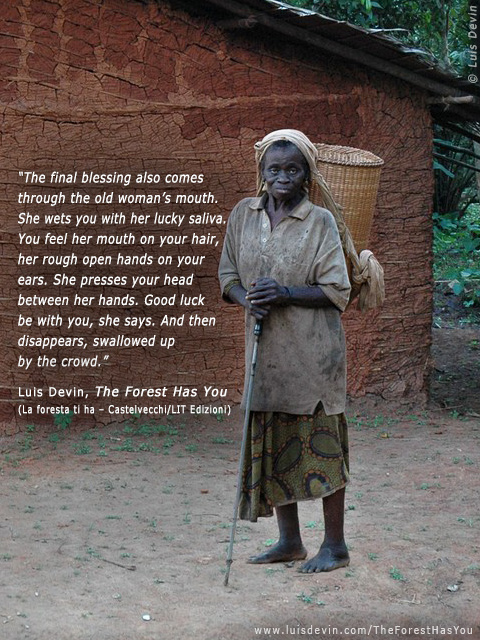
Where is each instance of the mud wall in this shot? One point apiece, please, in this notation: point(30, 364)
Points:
point(120, 85)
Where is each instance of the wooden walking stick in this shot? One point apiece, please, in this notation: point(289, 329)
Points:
point(248, 401)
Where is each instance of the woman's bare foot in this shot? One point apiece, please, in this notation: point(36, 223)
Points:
point(280, 552)
point(329, 558)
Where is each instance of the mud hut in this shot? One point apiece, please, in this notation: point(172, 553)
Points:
point(184, 88)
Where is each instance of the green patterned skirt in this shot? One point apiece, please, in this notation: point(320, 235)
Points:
point(290, 458)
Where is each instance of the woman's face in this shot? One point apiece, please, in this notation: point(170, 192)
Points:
point(284, 172)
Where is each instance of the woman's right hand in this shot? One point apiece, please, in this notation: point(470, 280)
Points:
point(259, 312)
point(239, 295)
point(264, 293)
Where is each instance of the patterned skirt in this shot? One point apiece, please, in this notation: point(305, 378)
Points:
point(290, 458)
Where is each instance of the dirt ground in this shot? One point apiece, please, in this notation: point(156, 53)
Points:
point(120, 533)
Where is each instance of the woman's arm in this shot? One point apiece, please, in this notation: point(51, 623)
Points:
point(266, 292)
point(308, 297)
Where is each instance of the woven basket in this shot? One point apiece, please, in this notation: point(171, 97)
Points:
point(353, 176)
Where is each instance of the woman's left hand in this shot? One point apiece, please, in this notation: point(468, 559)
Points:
point(266, 291)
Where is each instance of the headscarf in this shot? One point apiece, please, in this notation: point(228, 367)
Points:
point(299, 139)
point(367, 273)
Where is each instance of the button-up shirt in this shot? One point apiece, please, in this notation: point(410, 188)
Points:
point(301, 357)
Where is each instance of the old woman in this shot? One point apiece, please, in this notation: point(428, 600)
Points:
point(283, 262)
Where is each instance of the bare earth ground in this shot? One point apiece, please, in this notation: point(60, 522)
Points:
point(103, 527)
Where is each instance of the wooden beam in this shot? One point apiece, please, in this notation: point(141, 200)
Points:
point(452, 100)
point(325, 44)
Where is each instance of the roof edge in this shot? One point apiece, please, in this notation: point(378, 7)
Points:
point(446, 89)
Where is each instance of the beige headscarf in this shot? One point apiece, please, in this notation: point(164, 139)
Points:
point(367, 273)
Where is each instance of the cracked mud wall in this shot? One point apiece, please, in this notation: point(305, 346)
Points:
point(131, 86)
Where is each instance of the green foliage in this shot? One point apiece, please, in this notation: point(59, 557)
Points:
point(81, 449)
point(457, 253)
point(438, 26)
point(455, 187)
point(310, 598)
point(359, 12)
point(456, 219)
point(63, 420)
point(26, 443)
point(397, 575)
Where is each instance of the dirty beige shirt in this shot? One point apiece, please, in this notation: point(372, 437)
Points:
point(301, 356)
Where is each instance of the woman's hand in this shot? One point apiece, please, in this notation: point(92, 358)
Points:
point(257, 311)
point(238, 295)
point(265, 292)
